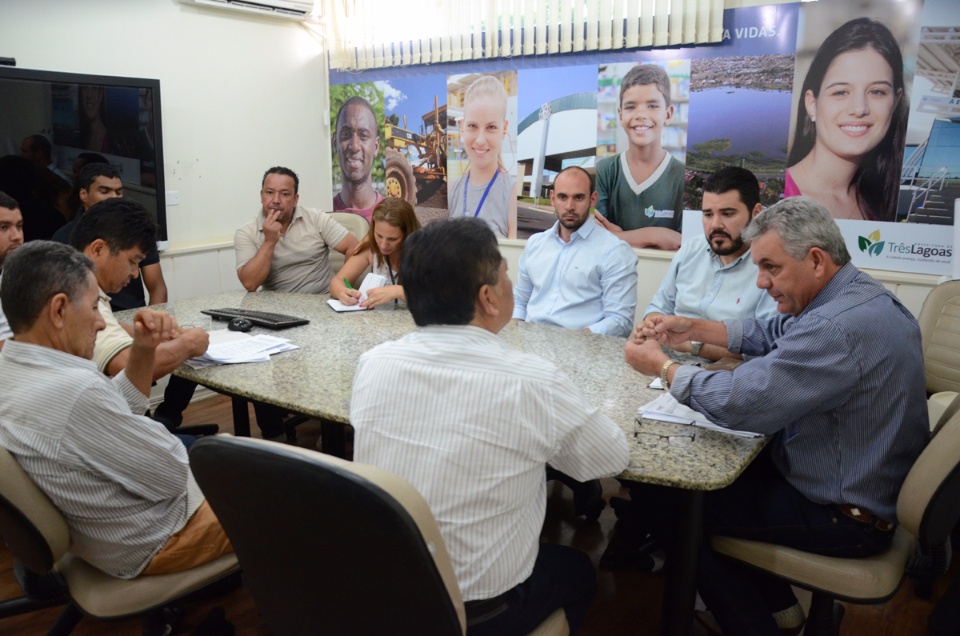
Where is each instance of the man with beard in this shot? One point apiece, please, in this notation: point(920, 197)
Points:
point(11, 237)
point(713, 278)
point(576, 274)
point(357, 142)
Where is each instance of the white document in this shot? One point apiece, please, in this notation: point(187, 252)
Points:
point(656, 384)
point(234, 347)
point(666, 409)
point(371, 281)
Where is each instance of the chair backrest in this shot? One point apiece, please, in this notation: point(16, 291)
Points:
point(940, 328)
point(329, 545)
point(32, 527)
point(928, 503)
point(356, 225)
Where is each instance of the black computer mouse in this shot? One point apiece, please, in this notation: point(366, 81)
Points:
point(240, 324)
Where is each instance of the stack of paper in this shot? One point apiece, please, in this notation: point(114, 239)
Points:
point(666, 409)
point(371, 281)
point(234, 347)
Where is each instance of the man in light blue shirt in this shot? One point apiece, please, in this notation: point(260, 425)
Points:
point(576, 274)
point(713, 277)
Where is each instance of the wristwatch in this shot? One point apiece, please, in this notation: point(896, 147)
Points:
point(695, 349)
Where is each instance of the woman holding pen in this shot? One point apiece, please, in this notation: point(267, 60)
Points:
point(393, 220)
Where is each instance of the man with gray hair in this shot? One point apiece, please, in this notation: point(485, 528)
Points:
point(839, 384)
point(121, 480)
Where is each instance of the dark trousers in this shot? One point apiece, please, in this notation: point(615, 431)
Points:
point(176, 399)
point(269, 419)
point(562, 577)
point(762, 506)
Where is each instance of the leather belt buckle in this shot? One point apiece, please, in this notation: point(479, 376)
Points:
point(863, 516)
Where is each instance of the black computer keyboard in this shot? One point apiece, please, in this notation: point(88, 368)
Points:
point(260, 318)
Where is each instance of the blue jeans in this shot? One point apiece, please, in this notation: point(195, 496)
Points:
point(762, 506)
point(562, 577)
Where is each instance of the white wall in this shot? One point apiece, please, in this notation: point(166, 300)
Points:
point(239, 94)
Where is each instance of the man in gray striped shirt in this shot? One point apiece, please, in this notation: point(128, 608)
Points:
point(839, 384)
point(122, 481)
point(471, 423)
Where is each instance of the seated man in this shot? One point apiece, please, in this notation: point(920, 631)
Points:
point(11, 238)
point(472, 425)
point(98, 182)
point(713, 277)
point(122, 481)
point(285, 249)
point(116, 234)
point(576, 274)
point(839, 383)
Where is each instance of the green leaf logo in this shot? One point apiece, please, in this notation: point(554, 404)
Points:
point(875, 249)
point(864, 243)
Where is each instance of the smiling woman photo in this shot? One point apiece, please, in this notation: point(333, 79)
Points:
point(851, 124)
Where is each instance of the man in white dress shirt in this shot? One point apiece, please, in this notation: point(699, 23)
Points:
point(11, 237)
point(472, 423)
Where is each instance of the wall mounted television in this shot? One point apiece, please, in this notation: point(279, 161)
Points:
point(117, 117)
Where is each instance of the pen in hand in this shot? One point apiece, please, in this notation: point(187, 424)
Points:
point(347, 283)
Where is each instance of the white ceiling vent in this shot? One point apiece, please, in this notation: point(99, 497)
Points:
point(286, 9)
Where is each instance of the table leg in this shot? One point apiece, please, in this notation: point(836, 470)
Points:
point(241, 416)
point(680, 592)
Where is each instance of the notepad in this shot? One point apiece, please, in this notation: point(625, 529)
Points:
point(371, 281)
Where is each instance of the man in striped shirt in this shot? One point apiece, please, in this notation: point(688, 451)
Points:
point(472, 423)
point(122, 481)
point(839, 384)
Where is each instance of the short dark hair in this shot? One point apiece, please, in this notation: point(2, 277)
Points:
point(578, 169)
point(444, 265)
point(121, 223)
point(735, 178)
point(7, 201)
point(41, 143)
point(287, 172)
point(643, 74)
point(36, 272)
point(91, 171)
point(356, 99)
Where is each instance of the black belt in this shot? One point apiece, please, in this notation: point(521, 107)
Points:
point(485, 609)
point(862, 515)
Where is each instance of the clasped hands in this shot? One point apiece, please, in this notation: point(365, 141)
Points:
point(152, 328)
point(643, 351)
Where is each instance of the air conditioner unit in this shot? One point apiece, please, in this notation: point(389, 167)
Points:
point(286, 9)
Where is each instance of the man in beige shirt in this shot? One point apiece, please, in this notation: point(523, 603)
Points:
point(285, 247)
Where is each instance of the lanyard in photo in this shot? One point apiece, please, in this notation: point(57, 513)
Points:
point(393, 281)
point(482, 199)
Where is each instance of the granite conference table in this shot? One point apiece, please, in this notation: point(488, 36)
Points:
point(316, 380)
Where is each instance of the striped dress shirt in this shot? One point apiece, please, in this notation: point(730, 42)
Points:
point(841, 384)
point(471, 424)
point(122, 481)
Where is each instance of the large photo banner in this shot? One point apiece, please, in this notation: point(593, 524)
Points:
point(848, 105)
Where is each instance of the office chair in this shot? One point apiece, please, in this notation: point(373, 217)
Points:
point(345, 546)
point(356, 225)
point(37, 536)
point(940, 329)
point(927, 510)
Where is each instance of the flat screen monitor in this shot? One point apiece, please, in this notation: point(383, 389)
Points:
point(116, 117)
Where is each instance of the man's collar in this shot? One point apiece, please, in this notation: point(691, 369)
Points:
point(832, 287)
point(583, 231)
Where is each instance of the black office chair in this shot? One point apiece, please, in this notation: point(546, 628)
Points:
point(37, 536)
point(343, 547)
